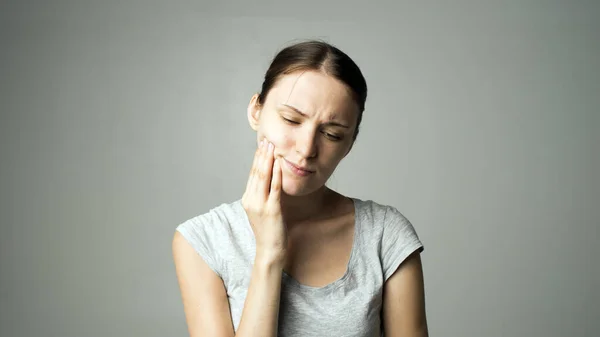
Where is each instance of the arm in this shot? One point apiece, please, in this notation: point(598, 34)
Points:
point(404, 300)
point(205, 300)
point(204, 297)
point(261, 308)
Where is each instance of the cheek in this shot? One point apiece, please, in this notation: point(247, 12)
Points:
point(280, 138)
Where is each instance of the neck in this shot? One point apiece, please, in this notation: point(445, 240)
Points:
point(299, 208)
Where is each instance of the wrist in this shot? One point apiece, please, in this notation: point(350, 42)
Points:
point(270, 258)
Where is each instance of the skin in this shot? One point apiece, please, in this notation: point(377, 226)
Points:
point(313, 140)
point(308, 118)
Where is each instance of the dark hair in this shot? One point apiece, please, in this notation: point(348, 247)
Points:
point(319, 56)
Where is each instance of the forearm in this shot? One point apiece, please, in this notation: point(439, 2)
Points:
point(261, 308)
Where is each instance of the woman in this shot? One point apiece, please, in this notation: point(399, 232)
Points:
point(293, 257)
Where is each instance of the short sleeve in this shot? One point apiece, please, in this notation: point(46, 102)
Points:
point(399, 240)
point(201, 233)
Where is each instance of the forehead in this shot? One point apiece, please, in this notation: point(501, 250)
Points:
point(314, 92)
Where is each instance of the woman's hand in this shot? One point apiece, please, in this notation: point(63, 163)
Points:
point(262, 203)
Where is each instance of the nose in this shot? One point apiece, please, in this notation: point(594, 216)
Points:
point(306, 144)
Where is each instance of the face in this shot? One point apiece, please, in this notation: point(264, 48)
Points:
point(310, 118)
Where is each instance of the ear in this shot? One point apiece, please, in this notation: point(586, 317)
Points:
point(254, 112)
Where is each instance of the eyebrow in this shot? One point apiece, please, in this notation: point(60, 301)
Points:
point(333, 123)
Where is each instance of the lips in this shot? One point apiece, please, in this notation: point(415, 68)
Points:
point(300, 167)
point(298, 170)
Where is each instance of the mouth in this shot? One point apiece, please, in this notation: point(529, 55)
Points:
point(298, 170)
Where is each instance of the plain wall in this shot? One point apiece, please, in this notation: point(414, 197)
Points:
point(121, 119)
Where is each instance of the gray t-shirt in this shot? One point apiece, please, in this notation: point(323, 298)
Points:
point(350, 306)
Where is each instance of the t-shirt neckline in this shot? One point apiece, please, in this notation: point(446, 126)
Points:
point(291, 281)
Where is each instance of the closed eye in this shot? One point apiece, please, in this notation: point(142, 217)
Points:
point(328, 135)
point(332, 136)
point(290, 121)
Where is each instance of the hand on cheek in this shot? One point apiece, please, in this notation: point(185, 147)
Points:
point(261, 201)
point(276, 153)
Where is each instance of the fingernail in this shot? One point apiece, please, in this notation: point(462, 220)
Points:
point(270, 146)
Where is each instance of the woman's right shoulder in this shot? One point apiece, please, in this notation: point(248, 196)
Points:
point(210, 233)
point(218, 217)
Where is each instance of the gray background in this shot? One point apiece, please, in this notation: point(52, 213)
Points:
point(121, 119)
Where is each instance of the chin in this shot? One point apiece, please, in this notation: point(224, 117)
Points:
point(296, 189)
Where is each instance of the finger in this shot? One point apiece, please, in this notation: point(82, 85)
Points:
point(259, 169)
point(266, 170)
point(275, 195)
point(253, 168)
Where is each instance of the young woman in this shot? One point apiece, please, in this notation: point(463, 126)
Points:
point(293, 257)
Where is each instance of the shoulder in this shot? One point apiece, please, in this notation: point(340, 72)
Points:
point(389, 226)
point(379, 214)
point(212, 232)
point(217, 218)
